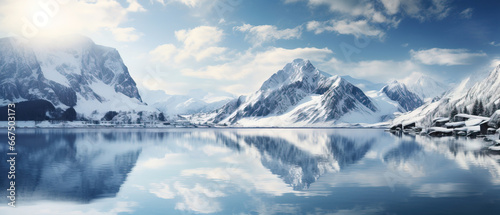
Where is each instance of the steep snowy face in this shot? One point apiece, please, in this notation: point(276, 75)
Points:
point(22, 79)
point(398, 92)
point(424, 86)
point(299, 93)
point(69, 72)
point(488, 90)
point(485, 91)
point(78, 61)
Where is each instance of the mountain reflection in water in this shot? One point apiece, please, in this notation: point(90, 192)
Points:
point(229, 170)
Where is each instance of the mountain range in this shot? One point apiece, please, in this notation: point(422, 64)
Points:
point(461, 98)
point(56, 78)
point(196, 101)
point(301, 95)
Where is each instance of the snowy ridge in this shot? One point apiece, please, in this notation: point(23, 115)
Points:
point(424, 86)
point(461, 97)
point(301, 95)
point(397, 91)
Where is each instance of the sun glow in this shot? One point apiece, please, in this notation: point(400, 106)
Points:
point(53, 18)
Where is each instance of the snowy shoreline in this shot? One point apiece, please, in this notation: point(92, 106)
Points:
point(83, 124)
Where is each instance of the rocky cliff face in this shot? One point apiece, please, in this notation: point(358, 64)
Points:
point(68, 72)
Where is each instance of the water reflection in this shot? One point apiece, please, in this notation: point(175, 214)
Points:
point(266, 171)
point(71, 166)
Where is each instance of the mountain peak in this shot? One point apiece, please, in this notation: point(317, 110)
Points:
point(424, 86)
point(300, 65)
point(398, 91)
point(298, 70)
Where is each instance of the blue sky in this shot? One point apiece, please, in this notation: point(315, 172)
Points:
point(235, 45)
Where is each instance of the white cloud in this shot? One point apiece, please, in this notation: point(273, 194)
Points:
point(391, 6)
point(191, 3)
point(448, 57)
point(375, 70)
point(125, 34)
point(467, 13)
point(251, 69)
point(134, 6)
point(163, 53)
point(493, 43)
point(199, 43)
point(419, 9)
point(354, 8)
point(373, 17)
point(356, 28)
point(20, 17)
point(266, 33)
point(369, 9)
point(162, 190)
point(200, 36)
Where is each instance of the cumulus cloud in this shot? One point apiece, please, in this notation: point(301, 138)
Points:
point(260, 34)
point(199, 43)
point(448, 57)
point(391, 6)
point(373, 17)
point(134, 6)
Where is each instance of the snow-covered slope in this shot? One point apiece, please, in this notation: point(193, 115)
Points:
point(398, 92)
point(71, 71)
point(196, 101)
point(301, 95)
point(424, 86)
point(461, 97)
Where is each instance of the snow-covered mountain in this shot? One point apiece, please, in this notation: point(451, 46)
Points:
point(424, 86)
point(301, 95)
point(461, 97)
point(68, 72)
point(398, 92)
point(196, 101)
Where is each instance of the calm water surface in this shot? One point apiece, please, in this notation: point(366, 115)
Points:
point(249, 171)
